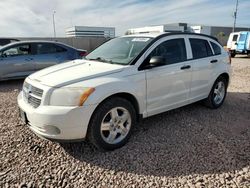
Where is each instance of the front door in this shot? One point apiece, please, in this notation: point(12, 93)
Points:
point(16, 61)
point(168, 85)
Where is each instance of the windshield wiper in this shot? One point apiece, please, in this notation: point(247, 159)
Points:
point(99, 59)
point(102, 60)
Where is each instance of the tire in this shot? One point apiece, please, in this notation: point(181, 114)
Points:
point(111, 124)
point(232, 54)
point(217, 94)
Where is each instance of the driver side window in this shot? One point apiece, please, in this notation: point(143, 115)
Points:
point(173, 51)
point(24, 49)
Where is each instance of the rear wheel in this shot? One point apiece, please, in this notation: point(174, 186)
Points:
point(111, 124)
point(232, 53)
point(217, 94)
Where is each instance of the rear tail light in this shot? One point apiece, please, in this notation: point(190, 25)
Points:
point(83, 54)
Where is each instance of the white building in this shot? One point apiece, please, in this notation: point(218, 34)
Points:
point(177, 27)
point(86, 31)
point(201, 29)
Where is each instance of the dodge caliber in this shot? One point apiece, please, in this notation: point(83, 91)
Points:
point(102, 97)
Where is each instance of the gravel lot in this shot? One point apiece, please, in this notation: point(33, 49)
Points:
point(188, 147)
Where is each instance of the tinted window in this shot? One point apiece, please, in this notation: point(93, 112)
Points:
point(173, 51)
point(24, 49)
point(60, 49)
point(216, 48)
point(47, 48)
point(200, 48)
point(235, 38)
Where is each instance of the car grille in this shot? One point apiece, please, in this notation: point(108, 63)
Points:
point(32, 95)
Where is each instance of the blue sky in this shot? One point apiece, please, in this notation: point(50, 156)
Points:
point(25, 18)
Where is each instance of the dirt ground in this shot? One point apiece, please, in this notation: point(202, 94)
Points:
point(192, 146)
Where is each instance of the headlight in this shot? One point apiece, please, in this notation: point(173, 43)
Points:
point(70, 96)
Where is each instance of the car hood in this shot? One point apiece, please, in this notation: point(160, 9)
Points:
point(74, 71)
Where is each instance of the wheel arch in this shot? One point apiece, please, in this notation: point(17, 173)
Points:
point(224, 75)
point(129, 97)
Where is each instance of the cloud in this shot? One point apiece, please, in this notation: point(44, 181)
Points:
point(34, 18)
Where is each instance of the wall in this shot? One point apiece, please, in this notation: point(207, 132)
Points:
point(86, 43)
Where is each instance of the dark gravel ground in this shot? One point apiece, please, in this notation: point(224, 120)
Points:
point(191, 146)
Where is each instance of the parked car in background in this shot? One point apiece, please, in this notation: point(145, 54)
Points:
point(239, 43)
point(5, 41)
point(18, 60)
point(127, 78)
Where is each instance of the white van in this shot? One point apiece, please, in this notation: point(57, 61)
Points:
point(239, 43)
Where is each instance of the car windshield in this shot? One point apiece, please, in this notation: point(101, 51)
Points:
point(119, 50)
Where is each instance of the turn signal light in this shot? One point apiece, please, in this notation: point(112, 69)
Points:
point(85, 95)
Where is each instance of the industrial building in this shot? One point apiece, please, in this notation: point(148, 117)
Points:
point(86, 31)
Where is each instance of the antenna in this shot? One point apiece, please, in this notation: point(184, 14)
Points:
point(235, 14)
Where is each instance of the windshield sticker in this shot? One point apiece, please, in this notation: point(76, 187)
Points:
point(140, 39)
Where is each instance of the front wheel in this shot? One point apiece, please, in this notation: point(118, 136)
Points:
point(217, 94)
point(111, 124)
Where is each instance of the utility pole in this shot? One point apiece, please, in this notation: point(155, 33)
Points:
point(54, 24)
point(235, 14)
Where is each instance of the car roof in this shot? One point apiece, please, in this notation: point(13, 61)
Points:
point(160, 35)
point(36, 41)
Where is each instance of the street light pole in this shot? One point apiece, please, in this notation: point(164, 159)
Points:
point(54, 24)
point(235, 14)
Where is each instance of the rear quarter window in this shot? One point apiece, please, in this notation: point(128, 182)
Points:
point(200, 48)
point(60, 49)
point(216, 48)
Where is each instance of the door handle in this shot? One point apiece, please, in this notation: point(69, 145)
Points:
point(214, 61)
point(186, 67)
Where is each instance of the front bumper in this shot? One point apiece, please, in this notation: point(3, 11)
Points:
point(59, 123)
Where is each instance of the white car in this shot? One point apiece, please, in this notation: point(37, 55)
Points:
point(102, 97)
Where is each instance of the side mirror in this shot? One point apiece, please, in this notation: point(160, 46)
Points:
point(156, 61)
point(236, 43)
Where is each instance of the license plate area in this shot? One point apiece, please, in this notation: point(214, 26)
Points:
point(23, 116)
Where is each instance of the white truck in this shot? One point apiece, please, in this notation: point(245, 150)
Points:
point(239, 43)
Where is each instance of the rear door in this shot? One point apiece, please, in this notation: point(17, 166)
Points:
point(48, 54)
point(203, 65)
point(16, 61)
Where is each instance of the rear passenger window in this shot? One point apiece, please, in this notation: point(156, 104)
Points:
point(200, 48)
point(47, 48)
point(173, 50)
point(216, 48)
